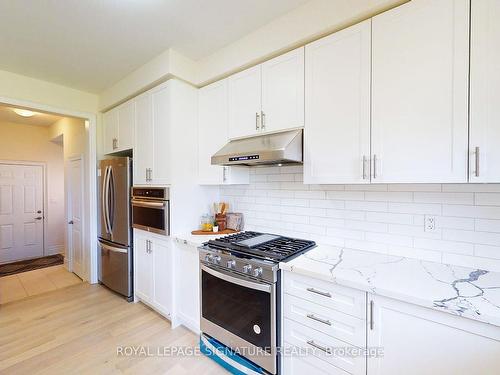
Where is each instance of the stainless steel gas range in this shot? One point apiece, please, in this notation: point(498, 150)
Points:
point(240, 301)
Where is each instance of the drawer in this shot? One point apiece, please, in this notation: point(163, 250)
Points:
point(336, 297)
point(294, 364)
point(331, 322)
point(329, 349)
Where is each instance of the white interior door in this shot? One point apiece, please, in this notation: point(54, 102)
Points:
point(75, 211)
point(21, 212)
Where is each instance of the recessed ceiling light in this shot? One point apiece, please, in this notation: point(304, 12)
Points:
point(24, 112)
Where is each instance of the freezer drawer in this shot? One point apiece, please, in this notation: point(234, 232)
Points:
point(115, 269)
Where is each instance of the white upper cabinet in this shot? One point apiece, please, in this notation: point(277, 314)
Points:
point(143, 152)
point(420, 92)
point(152, 151)
point(283, 92)
point(337, 131)
point(110, 130)
point(126, 125)
point(244, 102)
point(485, 92)
point(267, 97)
point(213, 135)
point(119, 124)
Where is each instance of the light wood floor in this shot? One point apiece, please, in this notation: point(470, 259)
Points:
point(76, 330)
point(22, 285)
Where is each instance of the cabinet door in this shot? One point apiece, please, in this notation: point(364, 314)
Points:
point(110, 131)
point(126, 125)
point(283, 91)
point(163, 278)
point(143, 151)
point(484, 92)
point(212, 136)
point(417, 340)
point(187, 275)
point(245, 102)
point(143, 268)
point(337, 131)
point(160, 142)
point(419, 92)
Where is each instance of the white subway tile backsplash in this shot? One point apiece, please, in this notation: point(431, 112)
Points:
point(484, 225)
point(448, 198)
point(384, 218)
point(488, 199)
point(415, 208)
point(390, 196)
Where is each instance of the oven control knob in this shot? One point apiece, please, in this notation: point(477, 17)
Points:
point(247, 268)
point(216, 259)
point(231, 264)
point(208, 257)
point(257, 272)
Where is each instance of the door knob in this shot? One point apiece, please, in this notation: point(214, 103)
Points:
point(70, 222)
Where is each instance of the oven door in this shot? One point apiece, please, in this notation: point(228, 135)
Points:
point(240, 313)
point(151, 215)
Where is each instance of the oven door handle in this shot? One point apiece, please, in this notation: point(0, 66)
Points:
point(235, 280)
point(141, 203)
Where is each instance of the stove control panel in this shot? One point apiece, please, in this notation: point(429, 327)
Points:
point(254, 268)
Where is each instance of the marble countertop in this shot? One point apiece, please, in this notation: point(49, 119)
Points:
point(466, 292)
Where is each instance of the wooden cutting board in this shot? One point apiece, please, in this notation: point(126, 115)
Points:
point(203, 233)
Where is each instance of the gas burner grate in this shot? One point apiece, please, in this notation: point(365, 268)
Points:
point(277, 250)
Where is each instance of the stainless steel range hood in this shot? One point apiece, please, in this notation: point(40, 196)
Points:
point(276, 148)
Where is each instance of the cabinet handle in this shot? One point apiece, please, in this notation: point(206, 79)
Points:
point(371, 314)
point(364, 167)
point(477, 162)
point(317, 346)
point(224, 171)
point(257, 117)
point(115, 142)
point(324, 294)
point(374, 166)
point(262, 120)
point(324, 321)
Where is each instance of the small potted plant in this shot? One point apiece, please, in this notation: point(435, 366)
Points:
point(215, 227)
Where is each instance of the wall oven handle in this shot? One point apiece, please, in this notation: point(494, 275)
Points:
point(236, 280)
point(148, 204)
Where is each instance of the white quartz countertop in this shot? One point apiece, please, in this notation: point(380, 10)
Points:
point(196, 240)
point(467, 292)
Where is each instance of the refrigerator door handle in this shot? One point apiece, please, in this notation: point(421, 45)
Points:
point(104, 199)
point(112, 248)
point(111, 202)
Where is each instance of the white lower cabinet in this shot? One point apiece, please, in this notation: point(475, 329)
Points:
point(418, 340)
point(322, 336)
point(324, 327)
point(187, 277)
point(153, 270)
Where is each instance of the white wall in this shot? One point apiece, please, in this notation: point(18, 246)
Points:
point(308, 22)
point(381, 218)
point(19, 142)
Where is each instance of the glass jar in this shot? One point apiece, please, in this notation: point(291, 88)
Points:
point(207, 223)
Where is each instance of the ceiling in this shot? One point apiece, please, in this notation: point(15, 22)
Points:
point(40, 119)
point(91, 44)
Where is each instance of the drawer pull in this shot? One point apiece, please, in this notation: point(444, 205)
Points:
point(324, 321)
point(322, 348)
point(324, 294)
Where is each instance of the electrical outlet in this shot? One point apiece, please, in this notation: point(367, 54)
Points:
point(430, 223)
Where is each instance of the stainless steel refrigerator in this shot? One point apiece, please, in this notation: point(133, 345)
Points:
point(115, 233)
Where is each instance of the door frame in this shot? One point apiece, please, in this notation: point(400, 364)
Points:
point(90, 193)
point(69, 213)
point(44, 194)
